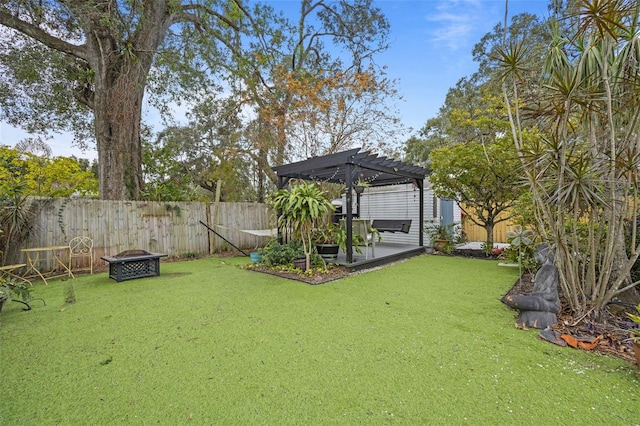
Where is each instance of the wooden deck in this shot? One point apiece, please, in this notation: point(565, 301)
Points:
point(385, 253)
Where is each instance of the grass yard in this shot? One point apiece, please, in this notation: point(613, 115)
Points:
point(425, 341)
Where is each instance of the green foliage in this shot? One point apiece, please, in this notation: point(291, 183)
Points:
point(311, 80)
point(438, 231)
point(189, 162)
point(331, 233)
point(522, 248)
point(519, 237)
point(301, 209)
point(16, 221)
point(12, 289)
point(486, 178)
point(440, 235)
point(276, 254)
point(635, 319)
point(581, 198)
point(44, 177)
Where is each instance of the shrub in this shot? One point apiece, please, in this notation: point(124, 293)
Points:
point(274, 253)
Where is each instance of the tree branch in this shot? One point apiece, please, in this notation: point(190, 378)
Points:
point(42, 36)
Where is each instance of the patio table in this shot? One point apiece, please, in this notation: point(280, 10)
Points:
point(36, 255)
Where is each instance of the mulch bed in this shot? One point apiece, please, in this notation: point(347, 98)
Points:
point(476, 254)
point(331, 274)
point(609, 329)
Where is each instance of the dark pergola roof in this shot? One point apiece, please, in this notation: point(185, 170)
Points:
point(361, 165)
point(349, 167)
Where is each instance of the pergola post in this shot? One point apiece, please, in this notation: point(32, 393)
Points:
point(349, 217)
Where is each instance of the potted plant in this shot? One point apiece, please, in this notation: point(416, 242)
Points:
point(440, 237)
point(635, 334)
point(360, 185)
point(14, 290)
point(328, 239)
point(300, 209)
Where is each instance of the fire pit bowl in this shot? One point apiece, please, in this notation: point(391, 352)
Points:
point(132, 264)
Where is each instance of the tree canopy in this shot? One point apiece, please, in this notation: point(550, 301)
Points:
point(29, 174)
point(484, 179)
point(99, 61)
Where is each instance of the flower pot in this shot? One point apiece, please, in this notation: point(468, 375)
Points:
point(300, 264)
point(359, 189)
point(255, 257)
point(440, 245)
point(328, 251)
point(636, 350)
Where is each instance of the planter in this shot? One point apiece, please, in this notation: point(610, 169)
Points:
point(636, 350)
point(300, 264)
point(359, 189)
point(255, 257)
point(440, 245)
point(328, 251)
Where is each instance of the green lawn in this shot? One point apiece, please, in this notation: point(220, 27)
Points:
point(425, 341)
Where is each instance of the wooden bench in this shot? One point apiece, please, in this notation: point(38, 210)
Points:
point(390, 225)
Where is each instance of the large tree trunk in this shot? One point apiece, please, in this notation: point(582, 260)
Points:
point(121, 66)
point(118, 112)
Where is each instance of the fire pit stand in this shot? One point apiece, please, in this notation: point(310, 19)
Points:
point(132, 264)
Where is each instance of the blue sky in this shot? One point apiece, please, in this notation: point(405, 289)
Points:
point(431, 49)
point(432, 44)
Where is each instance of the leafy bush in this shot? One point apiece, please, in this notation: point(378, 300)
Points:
point(274, 253)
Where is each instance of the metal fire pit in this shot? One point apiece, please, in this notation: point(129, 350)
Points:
point(132, 264)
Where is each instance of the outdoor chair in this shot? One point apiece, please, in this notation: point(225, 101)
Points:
point(362, 227)
point(81, 247)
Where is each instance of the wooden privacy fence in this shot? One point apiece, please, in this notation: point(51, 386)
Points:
point(172, 228)
point(478, 233)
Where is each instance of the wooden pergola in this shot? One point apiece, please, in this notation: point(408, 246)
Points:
point(352, 166)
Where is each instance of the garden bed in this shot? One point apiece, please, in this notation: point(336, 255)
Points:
point(610, 329)
point(318, 277)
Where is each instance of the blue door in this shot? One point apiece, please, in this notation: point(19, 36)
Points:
point(446, 212)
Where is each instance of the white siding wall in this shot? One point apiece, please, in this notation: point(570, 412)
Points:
point(397, 202)
point(401, 202)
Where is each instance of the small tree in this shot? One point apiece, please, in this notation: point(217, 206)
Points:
point(482, 179)
point(582, 166)
point(300, 209)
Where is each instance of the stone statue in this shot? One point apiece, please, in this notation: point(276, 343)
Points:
point(539, 308)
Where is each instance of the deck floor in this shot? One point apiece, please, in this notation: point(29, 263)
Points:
point(385, 253)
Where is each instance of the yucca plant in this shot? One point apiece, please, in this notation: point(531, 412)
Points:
point(300, 209)
point(579, 149)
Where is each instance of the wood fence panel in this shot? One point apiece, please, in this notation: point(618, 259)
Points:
point(478, 233)
point(232, 218)
point(116, 226)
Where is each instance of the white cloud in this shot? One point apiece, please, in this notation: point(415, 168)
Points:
point(456, 24)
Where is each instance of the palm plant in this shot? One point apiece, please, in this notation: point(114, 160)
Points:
point(300, 209)
point(580, 155)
